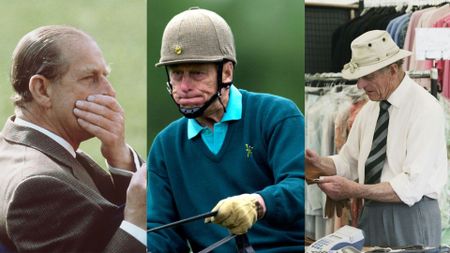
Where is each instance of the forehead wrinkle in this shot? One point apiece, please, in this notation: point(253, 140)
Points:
point(92, 68)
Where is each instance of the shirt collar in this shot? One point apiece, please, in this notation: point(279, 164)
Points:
point(234, 112)
point(400, 93)
point(58, 139)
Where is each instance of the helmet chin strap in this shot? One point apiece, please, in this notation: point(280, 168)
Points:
point(194, 112)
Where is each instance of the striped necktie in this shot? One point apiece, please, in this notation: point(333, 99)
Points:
point(377, 155)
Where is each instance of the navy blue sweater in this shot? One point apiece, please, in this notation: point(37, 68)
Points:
point(262, 153)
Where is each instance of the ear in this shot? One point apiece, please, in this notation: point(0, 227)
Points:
point(394, 69)
point(39, 88)
point(227, 72)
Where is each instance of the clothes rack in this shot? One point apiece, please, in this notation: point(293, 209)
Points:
point(336, 78)
point(335, 5)
point(432, 74)
point(332, 79)
point(382, 3)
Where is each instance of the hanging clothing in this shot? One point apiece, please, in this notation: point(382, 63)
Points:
point(443, 66)
point(319, 136)
point(396, 26)
point(327, 109)
point(400, 34)
point(373, 19)
point(411, 35)
point(428, 18)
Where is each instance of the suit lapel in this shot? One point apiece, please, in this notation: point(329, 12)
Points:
point(39, 141)
point(101, 178)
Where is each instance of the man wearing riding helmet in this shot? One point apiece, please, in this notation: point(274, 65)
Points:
point(238, 152)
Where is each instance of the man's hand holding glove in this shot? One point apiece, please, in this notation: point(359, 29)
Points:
point(238, 213)
point(313, 173)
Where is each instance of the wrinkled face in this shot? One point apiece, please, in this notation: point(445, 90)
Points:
point(86, 75)
point(193, 84)
point(377, 85)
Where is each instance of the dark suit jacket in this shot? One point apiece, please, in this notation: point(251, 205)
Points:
point(46, 205)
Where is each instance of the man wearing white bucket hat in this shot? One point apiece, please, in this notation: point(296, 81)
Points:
point(236, 152)
point(395, 150)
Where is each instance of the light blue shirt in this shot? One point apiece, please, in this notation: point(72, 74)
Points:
point(213, 138)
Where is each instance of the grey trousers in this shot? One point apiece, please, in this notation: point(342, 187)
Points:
point(398, 225)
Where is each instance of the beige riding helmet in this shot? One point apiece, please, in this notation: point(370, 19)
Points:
point(197, 35)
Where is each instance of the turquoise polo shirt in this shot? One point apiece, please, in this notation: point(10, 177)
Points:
point(214, 139)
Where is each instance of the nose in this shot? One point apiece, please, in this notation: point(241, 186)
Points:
point(185, 83)
point(361, 84)
point(107, 88)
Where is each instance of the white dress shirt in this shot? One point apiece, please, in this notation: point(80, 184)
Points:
point(128, 227)
point(416, 152)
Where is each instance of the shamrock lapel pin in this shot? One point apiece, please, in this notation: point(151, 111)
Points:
point(249, 150)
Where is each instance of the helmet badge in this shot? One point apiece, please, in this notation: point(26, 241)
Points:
point(178, 49)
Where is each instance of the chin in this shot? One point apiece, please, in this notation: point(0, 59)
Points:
point(374, 98)
point(84, 136)
point(190, 106)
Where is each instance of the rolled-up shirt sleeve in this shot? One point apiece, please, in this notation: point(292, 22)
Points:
point(425, 167)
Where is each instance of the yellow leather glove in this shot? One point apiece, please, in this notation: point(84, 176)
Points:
point(237, 213)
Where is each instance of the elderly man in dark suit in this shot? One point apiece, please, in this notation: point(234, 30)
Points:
point(53, 197)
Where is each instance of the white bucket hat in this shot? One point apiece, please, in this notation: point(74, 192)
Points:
point(372, 51)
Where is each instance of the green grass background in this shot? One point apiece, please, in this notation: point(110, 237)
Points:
point(119, 28)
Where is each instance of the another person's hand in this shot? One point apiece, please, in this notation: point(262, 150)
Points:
point(237, 213)
point(103, 117)
point(136, 204)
